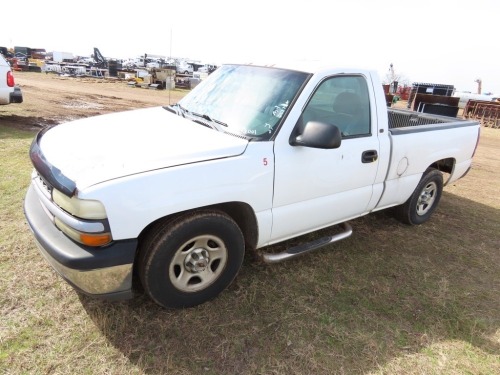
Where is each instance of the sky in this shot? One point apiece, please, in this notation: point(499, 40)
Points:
point(451, 42)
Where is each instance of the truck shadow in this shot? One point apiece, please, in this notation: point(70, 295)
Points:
point(388, 292)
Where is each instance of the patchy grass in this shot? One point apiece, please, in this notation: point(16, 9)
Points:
point(390, 299)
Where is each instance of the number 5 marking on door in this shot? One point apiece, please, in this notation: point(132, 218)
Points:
point(264, 161)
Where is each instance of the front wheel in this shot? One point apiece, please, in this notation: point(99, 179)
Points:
point(191, 259)
point(424, 200)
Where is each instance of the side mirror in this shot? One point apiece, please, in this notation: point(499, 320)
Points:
point(317, 134)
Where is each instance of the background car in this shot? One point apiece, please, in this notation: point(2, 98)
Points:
point(9, 92)
point(184, 68)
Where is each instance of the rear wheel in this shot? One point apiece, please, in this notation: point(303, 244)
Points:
point(191, 259)
point(424, 200)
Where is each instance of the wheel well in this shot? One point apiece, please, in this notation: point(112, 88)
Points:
point(240, 212)
point(244, 216)
point(444, 166)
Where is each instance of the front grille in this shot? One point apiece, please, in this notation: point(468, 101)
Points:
point(43, 185)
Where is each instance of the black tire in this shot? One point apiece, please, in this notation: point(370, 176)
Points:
point(424, 200)
point(191, 259)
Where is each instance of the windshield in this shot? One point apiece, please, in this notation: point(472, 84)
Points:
point(247, 100)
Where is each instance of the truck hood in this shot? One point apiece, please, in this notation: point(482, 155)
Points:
point(101, 148)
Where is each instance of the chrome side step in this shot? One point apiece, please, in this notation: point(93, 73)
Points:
point(307, 247)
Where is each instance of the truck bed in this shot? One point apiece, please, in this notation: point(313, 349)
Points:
point(406, 121)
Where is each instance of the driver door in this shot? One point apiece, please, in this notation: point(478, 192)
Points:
point(315, 188)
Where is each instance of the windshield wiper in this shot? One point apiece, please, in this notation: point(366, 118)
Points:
point(177, 109)
point(180, 110)
point(170, 109)
point(183, 110)
point(208, 118)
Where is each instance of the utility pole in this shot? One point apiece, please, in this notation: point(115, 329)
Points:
point(394, 82)
point(479, 84)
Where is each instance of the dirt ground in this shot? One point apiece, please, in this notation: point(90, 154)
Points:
point(50, 99)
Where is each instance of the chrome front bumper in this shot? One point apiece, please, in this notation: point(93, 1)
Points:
point(99, 272)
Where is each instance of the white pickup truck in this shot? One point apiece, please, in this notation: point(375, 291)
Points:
point(168, 199)
point(9, 91)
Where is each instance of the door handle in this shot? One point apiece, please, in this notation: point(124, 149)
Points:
point(369, 156)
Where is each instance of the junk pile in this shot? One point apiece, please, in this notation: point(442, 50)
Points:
point(486, 112)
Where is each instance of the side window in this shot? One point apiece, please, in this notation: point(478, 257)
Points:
point(342, 101)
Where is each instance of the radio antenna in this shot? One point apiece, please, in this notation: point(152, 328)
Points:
point(169, 75)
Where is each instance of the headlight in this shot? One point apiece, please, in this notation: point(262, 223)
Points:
point(85, 209)
point(89, 239)
point(82, 209)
